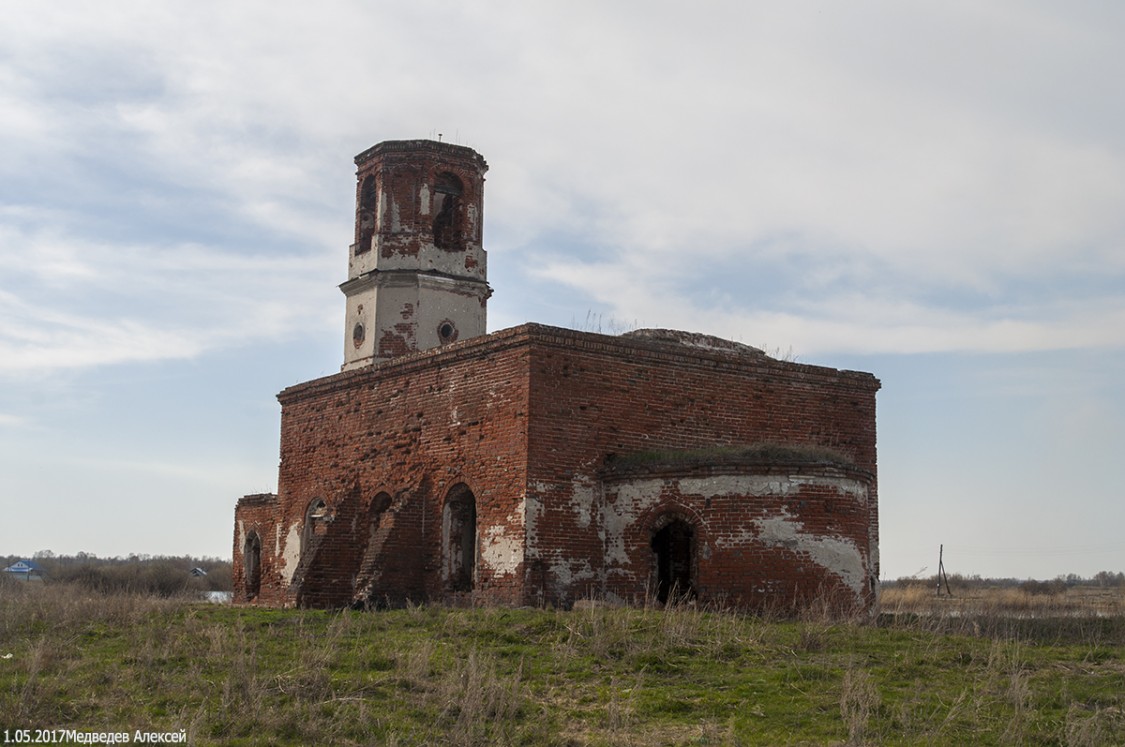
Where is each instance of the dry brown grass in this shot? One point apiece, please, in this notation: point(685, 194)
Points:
point(594, 676)
point(859, 697)
point(27, 604)
point(919, 599)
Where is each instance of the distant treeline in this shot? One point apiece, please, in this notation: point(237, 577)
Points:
point(161, 575)
point(1101, 579)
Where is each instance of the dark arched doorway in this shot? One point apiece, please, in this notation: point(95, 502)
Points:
point(252, 565)
point(672, 551)
point(459, 539)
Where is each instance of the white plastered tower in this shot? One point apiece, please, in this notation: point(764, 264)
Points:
point(417, 272)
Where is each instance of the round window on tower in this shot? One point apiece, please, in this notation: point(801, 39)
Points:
point(447, 332)
point(358, 334)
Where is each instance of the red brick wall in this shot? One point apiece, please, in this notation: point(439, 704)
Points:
point(257, 514)
point(408, 430)
point(400, 168)
point(767, 537)
point(595, 395)
point(533, 412)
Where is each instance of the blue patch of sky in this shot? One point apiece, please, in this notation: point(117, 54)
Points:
point(91, 72)
point(520, 293)
point(578, 243)
point(1027, 419)
point(761, 279)
point(521, 297)
point(972, 445)
point(769, 282)
point(160, 409)
point(177, 297)
point(108, 201)
point(958, 409)
point(934, 378)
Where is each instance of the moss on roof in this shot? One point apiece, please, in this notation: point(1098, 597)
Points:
point(765, 453)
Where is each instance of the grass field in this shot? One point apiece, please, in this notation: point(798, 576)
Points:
point(597, 676)
point(983, 601)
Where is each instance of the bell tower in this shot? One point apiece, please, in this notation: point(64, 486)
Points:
point(416, 273)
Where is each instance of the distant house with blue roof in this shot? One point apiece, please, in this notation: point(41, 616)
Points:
point(25, 570)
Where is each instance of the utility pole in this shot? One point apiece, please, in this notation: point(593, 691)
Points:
point(941, 575)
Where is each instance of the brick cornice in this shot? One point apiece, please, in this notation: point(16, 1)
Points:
point(532, 335)
point(415, 147)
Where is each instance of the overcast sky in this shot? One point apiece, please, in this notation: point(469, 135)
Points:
point(932, 191)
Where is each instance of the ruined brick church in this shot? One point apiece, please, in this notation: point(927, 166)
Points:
point(539, 465)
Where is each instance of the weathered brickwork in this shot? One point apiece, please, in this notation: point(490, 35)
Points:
point(255, 550)
point(383, 448)
point(417, 270)
point(594, 399)
point(772, 537)
point(539, 465)
point(536, 423)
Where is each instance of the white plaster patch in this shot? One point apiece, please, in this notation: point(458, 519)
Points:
point(726, 485)
point(632, 500)
point(584, 496)
point(291, 554)
point(533, 510)
point(838, 556)
point(501, 549)
point(841, 557)
point(567, 572)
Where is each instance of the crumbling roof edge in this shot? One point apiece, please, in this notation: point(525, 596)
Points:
point(257, 499)
point(540, 334)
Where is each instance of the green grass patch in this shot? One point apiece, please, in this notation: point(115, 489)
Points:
point(431, 675)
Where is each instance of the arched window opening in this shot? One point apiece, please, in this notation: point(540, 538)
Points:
point(252, 565)
point(316, 523)
point(447, 212)
point(368, 207)
point(459, 539)
point(379, 504)
point(672, 551)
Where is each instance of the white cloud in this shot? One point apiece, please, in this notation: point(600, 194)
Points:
point(865, 176)
point(11, 421)
point(917, 150)
point(841, 321)
point(150, 302)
